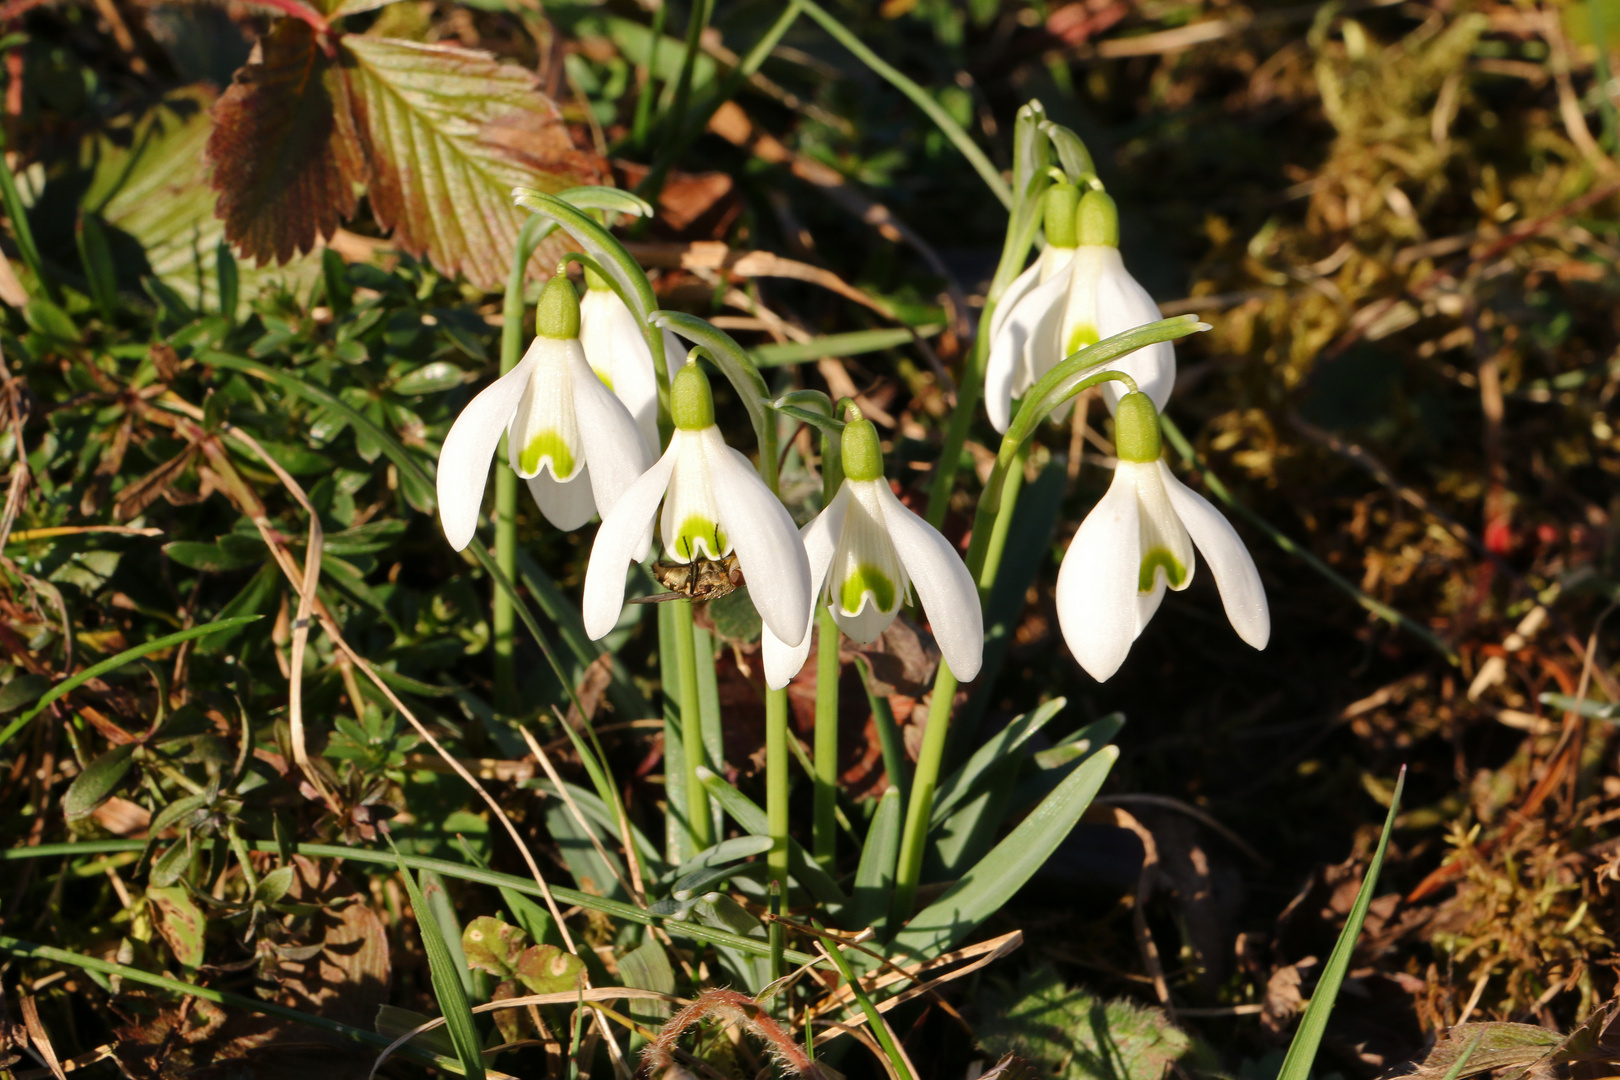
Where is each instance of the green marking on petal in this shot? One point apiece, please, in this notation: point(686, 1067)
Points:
point(547, 444)
point(697, 528)
point(1084, 334)
point(866, 578)
point(1153, 561)
point(606, 380)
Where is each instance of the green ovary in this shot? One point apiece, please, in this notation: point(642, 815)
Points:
point(864, 579)
point(1084, 334)
point(1174, 572)
point(697, 528)
point(548, 444)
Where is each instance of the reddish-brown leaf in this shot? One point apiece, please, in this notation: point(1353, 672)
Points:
point(284, 153)
point(449, 133)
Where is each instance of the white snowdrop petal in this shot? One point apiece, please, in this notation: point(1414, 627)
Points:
point(690, 525)
point(943, 585)
point(1021, 284)
point(1229, 560)
point(865, 565)
point(609, 440)
point(1096, 587)
point(463, 467)
point(769, 550)
point(623, 533)
point(1007, 372)
point(566, 504)
point(867, 623)
point(1167, 550)
point(1122, 304)
point(618, 353)
point(820, 537)
point(544, 432)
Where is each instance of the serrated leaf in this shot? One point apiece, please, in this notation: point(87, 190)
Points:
point(92, 787)
point(492, 945)
point(1078, 1036)
point(150, 184)
point(285, 156)
point(450, 133)
point(546, 969)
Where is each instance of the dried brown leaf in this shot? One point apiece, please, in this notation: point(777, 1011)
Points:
point(284, 152)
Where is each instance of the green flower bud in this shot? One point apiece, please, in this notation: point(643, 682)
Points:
point(1136, 428)
point(1062, 203)
point(863, 454)
point(1099, 220)
point(557, 314)
point(691, 403)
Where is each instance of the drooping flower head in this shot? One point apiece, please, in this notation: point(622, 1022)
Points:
point(1138, 540)
point(1077, 293)
point(618, 353)
point(567, 435)
point(714, 503)
point(866, 551)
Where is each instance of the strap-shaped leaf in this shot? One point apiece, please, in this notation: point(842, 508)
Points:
point(284, 151)
point(446, 980)
point(874, 876)
point(983, 890)
point(451, 132)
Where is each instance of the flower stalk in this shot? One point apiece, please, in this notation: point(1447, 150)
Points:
point(699, 824)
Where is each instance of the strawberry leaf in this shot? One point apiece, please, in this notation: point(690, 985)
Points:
point(450, 133)
point(285, 157)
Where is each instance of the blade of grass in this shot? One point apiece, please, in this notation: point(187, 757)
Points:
point(68, 685)
point(447, 985)
point(493, 878)
point(919, 97)
point(751, 819)
point(874, 1019)
point(1308, 1039)
point(29, 950)
point(20, 229)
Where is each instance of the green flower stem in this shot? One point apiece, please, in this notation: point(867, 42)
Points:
point(970, 387)
point(776, 814)
point(644, 98)
point(502, 620)
point(919, 97)
point(825, 835)
point(697, 796)
point(991, 522)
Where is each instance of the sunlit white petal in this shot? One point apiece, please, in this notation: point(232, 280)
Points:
point(690, 525)
point(1122, 304)
point(464, 460)
point(1007, 372)
point(608, 435)
point(866, 584)
point(769, 551)
point(566, 505)
point(1097, 583)
point(1021, 284)
point(943, 585)
point(622, 534)
point(820, 537)
point(1229, 561)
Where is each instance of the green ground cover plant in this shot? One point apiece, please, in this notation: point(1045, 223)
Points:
point(915, 648)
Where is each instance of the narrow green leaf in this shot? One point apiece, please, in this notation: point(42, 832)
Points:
point(983, 890)
point(99, 272)
point(444, 916)
point(853, 343)
point(68, 685)
point(21, 690)
point(1308, 1039)
point(447, 987)
point(648, 968)
point(965, 783)
point(733, 361)
point(229, 280)
point(96, 784)
point(209, 557)
point(874, 876)
point(30, 950)
point(524, 886)
point(752, 820)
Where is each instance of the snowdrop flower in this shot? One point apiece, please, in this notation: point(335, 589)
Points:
point(1077, 293)
point(865, 551)
point(567, 435)
point(714, 504)
point(1140, 538)
point(618, 353)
